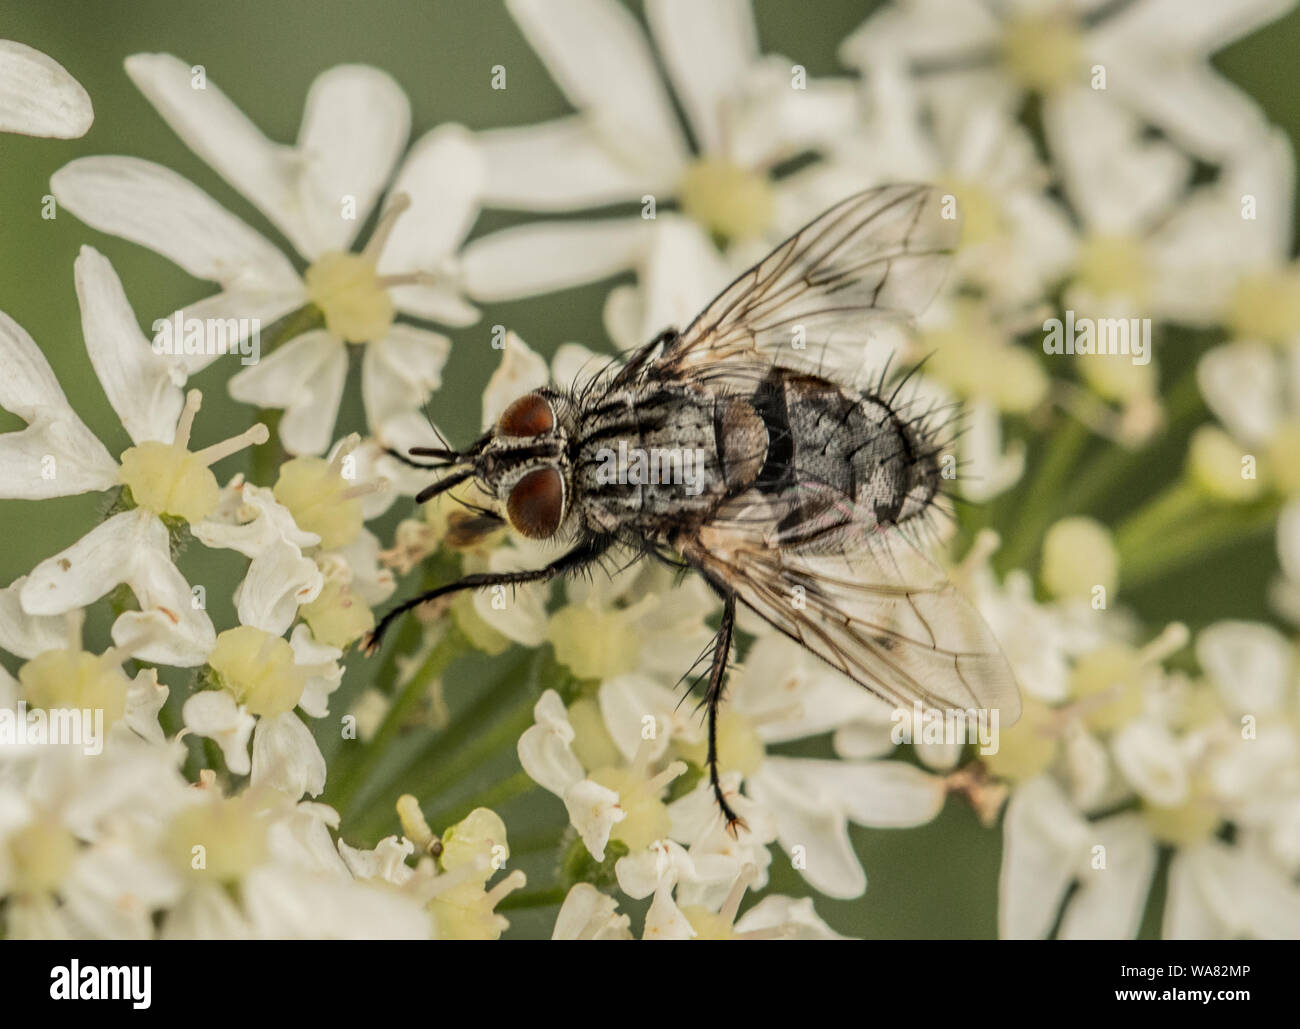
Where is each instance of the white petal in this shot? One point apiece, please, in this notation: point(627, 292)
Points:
point(1150, 758)
point(442, 176)
point(1111, 899)
point(400, 371)
point(25, 635)
point(598, 55)
point(137, 382)
point(56, 455)
point(665, 921)
point(249, 520)
point(1251, 665)
point(157, 208)
point(214, 714)
point(144, 699)
point(327, 675)
point(588, 914)
point(789, 913)
point(177, 631)
point(1118, 180)
point(279, 579)
point(1043, 841)
point(520, 371)
point(95, 564)
point(707, 48)
point(594, 811)
point(1241, 385)
point(544, 749)
point(354, 128)
point(815, 825)
point(286, 757)
point(660, 865)
point(305, 377)
point(562, 165)
point(38, 97)
point(544, 257)
point(229, 324)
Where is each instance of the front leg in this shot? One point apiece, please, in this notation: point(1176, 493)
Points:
point(717, 677)
point(584, 553)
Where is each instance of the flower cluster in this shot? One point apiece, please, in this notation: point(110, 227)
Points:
point(1113, 188)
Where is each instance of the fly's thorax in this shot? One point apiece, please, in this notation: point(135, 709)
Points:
point(651, 457)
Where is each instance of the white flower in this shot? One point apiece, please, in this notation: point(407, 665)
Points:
point(38, 97)
point(746, 113)
point(1151, 56)
point(318, 193)
point(56, 455)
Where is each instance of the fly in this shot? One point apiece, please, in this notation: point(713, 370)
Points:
point(805, 481)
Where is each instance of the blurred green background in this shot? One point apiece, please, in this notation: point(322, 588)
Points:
point(937, 881)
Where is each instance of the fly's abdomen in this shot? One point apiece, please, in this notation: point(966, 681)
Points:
point(835, 451)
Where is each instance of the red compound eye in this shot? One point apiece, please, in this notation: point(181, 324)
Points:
point(530, 415)
point(536, 504)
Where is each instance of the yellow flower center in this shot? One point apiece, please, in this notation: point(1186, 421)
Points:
point(219, 838)
point(1189, 823)
point(1111, 265)
point(594, 644)
point(1028, 747)
point(1214, 463)
point(75, 679)
point(733, 203)
point(169, 480)
point(973, 358)
point(259, 670)
point(740, 748)
point(40, 855)
point(338, 616)
point(1266, 306)
point(708, 925)
point(981, 215)
point(592, 743)
point(1043, 51)
point(647, 816)
point(1078, 555)
point(472, 844)
point(320, 499)
point(347, 288)
point(1109, 683)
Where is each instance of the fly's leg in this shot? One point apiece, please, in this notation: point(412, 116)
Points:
point(713, 699)
point(583, 554)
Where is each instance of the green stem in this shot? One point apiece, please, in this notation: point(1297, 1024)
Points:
point(1113, 467)
point(450, 646)
point(1177, 505)
point(551, 897)
point(1035, 515)
point(1195, 541)
point(493, 796)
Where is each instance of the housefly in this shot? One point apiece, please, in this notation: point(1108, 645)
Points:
point(807, 481)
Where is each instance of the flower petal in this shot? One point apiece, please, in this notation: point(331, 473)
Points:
point(442, 176)
point(305, 377)
point(138, 383)
point(354, 128)
point(38, 97)
point(278, 580)
point(214, 714)
point(545, 257)
point(286, 757)
point(401, 371)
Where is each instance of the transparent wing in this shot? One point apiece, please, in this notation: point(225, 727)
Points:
point(859, 273)
point(879, 611)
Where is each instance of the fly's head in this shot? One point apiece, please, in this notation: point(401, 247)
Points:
point(521, 462)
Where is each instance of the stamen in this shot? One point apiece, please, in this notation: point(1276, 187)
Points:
point(253, 436)
point(1172, 640)
point(731, 906)
point(660, 781)
point(364, 489)
point(516, 880)
point(193, 400)
point(345, 447)
point(376, 243)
